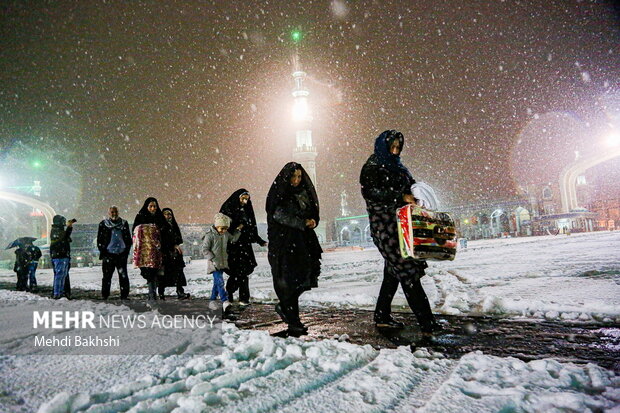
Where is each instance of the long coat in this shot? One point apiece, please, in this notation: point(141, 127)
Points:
point(172, 260)
point(241, 259)
point(294, 250)
point(384, 181)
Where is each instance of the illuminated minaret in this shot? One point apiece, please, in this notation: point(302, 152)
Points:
point(304, 152)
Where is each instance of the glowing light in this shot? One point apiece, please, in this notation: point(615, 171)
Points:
point(296, 36)
point(613, 139)
point(36, 164)
point(465, 221)
point(300, 109)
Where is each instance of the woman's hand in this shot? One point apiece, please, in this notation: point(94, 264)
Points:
point(178, 249)
point(410, 199)
point(310, 223)
point(240, 227)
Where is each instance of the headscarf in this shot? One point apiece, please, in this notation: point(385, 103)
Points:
point(385, 157)
point(281, 188)
point(175, 226)
point(144, 216)
point(232, 207)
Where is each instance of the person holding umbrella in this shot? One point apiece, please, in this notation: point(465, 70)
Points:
point(26, 260)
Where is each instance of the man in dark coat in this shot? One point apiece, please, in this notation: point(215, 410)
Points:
point(386, 186)
point(294, 250)
point(114, 243)
point(241, 259)
point(60, 252)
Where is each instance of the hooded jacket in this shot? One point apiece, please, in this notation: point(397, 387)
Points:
point(215, 247)
point(60, 238)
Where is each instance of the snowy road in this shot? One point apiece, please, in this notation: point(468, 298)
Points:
point(560, 278)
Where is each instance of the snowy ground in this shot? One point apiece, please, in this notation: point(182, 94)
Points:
point(574, 278)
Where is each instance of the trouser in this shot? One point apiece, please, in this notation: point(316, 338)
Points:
point(241, 283)
point(109, 264)
point(32, 272)
point(62, 285)
point(22, 279)
point(150, 275)
point(414, 292)
point(218, 286)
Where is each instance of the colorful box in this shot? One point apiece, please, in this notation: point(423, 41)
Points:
point(426, 235)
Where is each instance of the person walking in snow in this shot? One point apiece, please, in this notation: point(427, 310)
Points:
point(147, 239)
point(60, 252)
point(241, 259)
point(386, 186)
point(114, 242)
point(174, 276)
point(215, 248)
point(294, 251)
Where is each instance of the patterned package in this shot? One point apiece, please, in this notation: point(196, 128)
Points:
point(425, 234)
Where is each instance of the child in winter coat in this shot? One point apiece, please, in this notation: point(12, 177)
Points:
point(215, 249)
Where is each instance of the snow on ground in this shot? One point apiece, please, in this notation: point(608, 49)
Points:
point(561, 277)
point(558, 277)
point(260, 373)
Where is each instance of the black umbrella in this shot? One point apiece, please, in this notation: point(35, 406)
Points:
point(19, 242)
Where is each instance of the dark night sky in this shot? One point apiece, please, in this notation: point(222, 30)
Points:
point(188, 101)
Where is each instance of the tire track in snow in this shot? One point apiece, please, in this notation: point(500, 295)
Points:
point(321, 372)
point(219, 388)
point(376, 387)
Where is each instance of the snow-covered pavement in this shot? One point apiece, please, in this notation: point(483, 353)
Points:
point(574, 278)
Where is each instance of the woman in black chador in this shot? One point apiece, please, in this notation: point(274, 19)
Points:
point(386, 186)
point(172, 256)
point(294, 250)
point(241, 260)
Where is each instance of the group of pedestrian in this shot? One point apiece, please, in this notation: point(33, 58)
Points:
point(294, 252)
